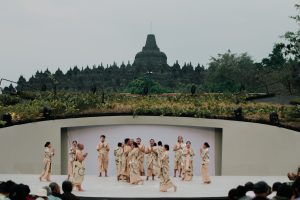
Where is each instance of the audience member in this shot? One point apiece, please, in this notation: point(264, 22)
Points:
point(261, 190)
point(284, 192)
point(249, 190)
point(19, 192)
point(233, 194)
point(49, 193)
point(296, 189)
point(55, 189)
point(41, 194)
point(241, 193)
point(67, 188)
point(275, 187)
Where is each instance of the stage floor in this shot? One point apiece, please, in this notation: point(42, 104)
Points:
point(109, 187)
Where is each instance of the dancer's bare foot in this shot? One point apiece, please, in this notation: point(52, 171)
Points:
point(175, 188)
point(147, 178)
point(152, 178)
point(80, 189)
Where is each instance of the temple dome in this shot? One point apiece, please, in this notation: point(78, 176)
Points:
point(150, 54)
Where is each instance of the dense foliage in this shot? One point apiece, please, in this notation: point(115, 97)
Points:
point(28, 107)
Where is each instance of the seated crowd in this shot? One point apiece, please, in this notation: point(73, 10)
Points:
point(12, 191)
point(262, 191)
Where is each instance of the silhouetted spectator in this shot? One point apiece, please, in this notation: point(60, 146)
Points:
point(296, 189)
point(284, 192)
point(49, 194)
point(41, 194)
point(55, 189)
point(233, 194)
point(249, 190)
point(261, 190)
point(275, 187)
point(4, 191)
point(19, 192)
point(241, 193)
point(67, 187)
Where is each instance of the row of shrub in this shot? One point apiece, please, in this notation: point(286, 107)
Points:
point(75, 104)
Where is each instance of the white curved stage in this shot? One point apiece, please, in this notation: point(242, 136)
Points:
point(110, 188)
point(245, 149)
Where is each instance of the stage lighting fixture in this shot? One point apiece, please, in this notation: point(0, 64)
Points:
point(274, 119)
point(7, 118)
point(238, 113)
point(46, 112)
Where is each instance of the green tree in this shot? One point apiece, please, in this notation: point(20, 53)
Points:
point(230, 72)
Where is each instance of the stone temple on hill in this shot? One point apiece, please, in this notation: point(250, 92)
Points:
point(150, 57)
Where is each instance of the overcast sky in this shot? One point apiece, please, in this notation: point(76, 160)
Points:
point(40, 34)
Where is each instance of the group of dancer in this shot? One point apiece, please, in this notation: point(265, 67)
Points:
point(129, 160)
point(76, 168)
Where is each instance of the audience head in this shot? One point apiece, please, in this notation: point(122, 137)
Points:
point(275, 186)
point(296, 187)
point(48, 190)
point(261, 189)
point(54, 188)
point(233, 194)
point(241, 191)
point(284, 191)
point(5, 187)
point(159, 143)
point(19, 192)
point(249, 186)
point(67, 186)
point(42, 193)
point(119, 144)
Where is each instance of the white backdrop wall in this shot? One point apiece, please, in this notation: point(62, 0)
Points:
point(89, 136)
point(247, 149)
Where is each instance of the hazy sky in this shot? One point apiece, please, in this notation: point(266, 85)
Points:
point(40, 34)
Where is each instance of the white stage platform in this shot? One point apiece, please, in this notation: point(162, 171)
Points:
point(109, 187)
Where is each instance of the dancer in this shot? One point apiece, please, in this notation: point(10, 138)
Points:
point(124, 172)
point(188, 165)
point(165, 181)
point(204, 164)
point(134, 165)
point(178, 149)
point(72, 158)
point(151, 157)
point(103, 149)
point(79, 168)
point(48, 154)
point(141, 156)
point(159, 152)
point(118, 156)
